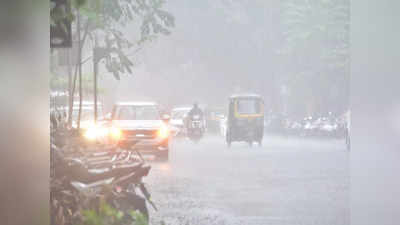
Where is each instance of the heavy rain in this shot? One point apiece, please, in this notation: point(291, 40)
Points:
point(200, 112)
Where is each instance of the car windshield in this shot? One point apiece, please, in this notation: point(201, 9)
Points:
point(179, 114)
point(248, 106)
point(137, 113)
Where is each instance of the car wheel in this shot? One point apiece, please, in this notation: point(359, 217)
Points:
point(348, 145)
point(228, 140)
point(229, 144)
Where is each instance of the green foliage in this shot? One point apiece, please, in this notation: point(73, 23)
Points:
point(107, 215)
point(106, 18)
point(78, 3)
point(139, 218)
point(316, 47)
point(317, 30)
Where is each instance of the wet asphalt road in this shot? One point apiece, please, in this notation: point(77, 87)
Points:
point(287, 181)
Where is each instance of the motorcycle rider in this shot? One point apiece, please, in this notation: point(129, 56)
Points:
point(194, 111)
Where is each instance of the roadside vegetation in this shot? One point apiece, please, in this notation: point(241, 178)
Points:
point(97, 34)
point(106, 215)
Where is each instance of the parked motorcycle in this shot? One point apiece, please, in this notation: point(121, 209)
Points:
point(82, 183)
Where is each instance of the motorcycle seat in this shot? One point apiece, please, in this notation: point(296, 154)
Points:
point(91, 187)
point(85, 176)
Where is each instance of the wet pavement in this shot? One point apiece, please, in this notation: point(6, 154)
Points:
point(287, 181)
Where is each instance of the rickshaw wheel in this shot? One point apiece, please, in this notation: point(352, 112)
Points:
point(228, 139)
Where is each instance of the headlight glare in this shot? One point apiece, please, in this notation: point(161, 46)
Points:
point(94, 131)
point(115, 133)
point(163, 132)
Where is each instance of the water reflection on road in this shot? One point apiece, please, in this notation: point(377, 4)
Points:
point(287, 181)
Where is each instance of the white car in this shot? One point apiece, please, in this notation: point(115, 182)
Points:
point(140, 124)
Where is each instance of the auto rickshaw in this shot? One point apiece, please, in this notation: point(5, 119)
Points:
point(245, 120)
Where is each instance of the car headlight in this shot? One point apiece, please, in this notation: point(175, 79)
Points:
point(90, 133)
point(115, 133)
point(94, 132)
point(163, 132)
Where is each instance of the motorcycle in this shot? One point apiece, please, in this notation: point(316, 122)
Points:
point(195, 129)
point(79, 184)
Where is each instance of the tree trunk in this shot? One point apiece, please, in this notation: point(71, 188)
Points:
point(77, 67)
point(70, 91)
point(80, 69)
point(95, 68)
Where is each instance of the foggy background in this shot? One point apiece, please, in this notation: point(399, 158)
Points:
point(294, 53)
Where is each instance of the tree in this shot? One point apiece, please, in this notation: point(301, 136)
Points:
point(316, 47)
point(106, 18)
point(101, 23)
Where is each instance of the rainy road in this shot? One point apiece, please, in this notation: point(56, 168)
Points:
point(287, 181)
